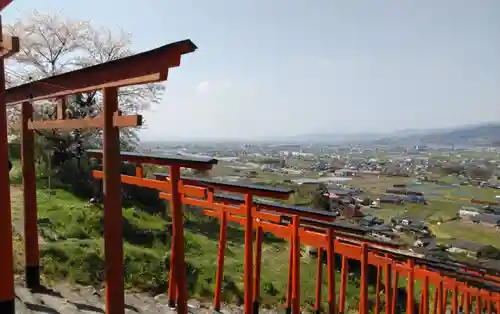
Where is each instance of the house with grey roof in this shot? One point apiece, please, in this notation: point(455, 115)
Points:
point(488, 220)
point(464, 246)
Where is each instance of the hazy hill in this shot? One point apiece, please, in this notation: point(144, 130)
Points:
point(477, 135)
point(484, 134)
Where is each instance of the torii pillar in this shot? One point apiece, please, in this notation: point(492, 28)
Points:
point(9, 46)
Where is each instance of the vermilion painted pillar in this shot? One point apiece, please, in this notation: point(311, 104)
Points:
point(113, 236)
point(178, 232)
point(330, 271)
point(258, 263)
point(7, 259)
point(395, 292)
point(421, 305)
point(248, 259)
point(388, 288)
point(467, 303)
point(454, 300)
point(425, 295)
point(377, 290)
point(319, 281)
point(343, 284)
point(462, 301)
point(296, 266)
point(410, 297)
point(30, 211)
point(363, 289)
point(220, 260)
point(288, 306)
point(489, 307)
point(172, 287)
point(440, 298)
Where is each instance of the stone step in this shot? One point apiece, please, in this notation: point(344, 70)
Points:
point(21, 307)
point(26, 296)
point(86, 300)
point(59, 304)
point(65, 299)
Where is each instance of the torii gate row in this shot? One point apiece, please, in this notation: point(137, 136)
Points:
point(283, 221)
point(147, 67)
point(177, 283)
point(345, 237)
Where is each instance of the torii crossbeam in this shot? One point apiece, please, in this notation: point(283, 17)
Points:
point(4, 3)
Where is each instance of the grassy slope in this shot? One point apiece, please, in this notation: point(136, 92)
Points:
point(74, 251)
point(77, 253)
point(75, 248)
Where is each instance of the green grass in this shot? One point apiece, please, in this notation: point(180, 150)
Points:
point(440, 212)
point(74, 251)
point(467, 231)
point(466, 155)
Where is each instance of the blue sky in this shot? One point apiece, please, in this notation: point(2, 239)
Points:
point(285, 67)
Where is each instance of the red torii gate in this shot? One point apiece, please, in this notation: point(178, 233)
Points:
point(177, 189)
point(369, 251)
point(152, 66)
point(307, 226)
point(177, 280)
point(147, 67)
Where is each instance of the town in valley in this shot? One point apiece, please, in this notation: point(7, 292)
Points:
point(438, 200)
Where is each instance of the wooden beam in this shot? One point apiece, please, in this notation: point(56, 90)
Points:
point(193, 162)
point(89, 123)
point(253, 189)
point(4, 4)
point(147, 67)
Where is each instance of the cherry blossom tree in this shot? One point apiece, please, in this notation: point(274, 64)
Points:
point(52, 44)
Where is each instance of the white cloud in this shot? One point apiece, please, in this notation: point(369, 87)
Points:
point(202, 87)
point(214, 87)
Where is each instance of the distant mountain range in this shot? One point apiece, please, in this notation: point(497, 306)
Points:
point(472, 135)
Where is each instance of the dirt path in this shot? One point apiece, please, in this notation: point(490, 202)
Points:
point(16, 196)
point(65, 299)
